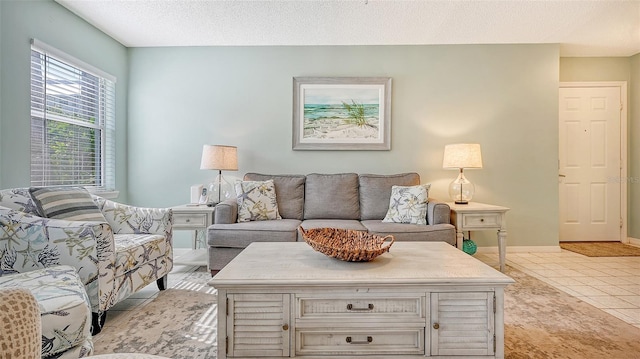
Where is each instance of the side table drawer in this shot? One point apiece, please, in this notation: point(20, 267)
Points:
point(359, 341)
point(364, 307)
point(189, 220)
point(481, 220)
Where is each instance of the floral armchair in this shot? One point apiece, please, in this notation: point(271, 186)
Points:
point(113, 259)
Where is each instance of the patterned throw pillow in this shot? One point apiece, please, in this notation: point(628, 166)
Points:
point(68, 203)
point(256, 201)
point(408, 204)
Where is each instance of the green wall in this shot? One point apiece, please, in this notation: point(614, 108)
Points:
point(504, 97)
point(587, 69)
point(49, 22)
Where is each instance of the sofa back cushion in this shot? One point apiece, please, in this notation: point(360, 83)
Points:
point(375, 192)
point(332, 196)
point(18, 199)
point(289, 193)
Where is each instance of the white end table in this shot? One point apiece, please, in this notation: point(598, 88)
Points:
point(193, 218)
point(476, 216)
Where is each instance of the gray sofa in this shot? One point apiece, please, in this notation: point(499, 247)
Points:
point(346, 201)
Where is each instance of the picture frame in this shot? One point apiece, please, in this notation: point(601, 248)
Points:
point(342, 113)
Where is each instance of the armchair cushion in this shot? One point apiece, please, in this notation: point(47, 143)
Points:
point(70, 203)
point(134, 249)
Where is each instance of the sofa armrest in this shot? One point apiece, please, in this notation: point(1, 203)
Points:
point(29, 242)
point(226, 212)
point(438, 212)
point(125, 219)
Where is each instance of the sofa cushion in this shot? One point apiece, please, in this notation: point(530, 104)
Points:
point(408, 204)
point(256, 201)
point(375, 191)
point(240, 235)
point(68, 203)
point(289, 193)
point(333, 223)
point(413, 232)
point(332, 196)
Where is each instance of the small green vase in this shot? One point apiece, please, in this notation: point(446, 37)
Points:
point(469, 247)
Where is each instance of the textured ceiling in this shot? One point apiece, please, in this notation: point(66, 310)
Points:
point(582, 28)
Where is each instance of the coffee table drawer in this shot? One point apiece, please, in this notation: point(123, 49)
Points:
point(481, 220)
point(359, 341)
point(377, 307)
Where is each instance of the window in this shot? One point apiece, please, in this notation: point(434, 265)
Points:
point(72, 121)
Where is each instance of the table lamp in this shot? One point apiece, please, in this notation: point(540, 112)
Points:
point(461, 156)
point(218, 157)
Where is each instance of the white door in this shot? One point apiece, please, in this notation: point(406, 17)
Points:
point(590, 164)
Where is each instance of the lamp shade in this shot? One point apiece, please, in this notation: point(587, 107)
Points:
point(217, 157)
point(462, 155)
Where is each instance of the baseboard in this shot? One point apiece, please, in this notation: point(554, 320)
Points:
point(633, 241)
point(522, 249)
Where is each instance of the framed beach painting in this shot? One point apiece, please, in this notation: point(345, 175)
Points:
point(341, 113)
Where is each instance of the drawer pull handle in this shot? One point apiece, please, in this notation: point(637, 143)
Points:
point(350, 307)
point(481, 219)
point(350, 341)
point(285, 327)
point(436, 326)
point(188, 220)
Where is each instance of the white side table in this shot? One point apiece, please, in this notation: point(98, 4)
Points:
point(479, 217)
point(193, 218)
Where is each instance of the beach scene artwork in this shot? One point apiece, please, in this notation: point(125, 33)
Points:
point(342, 113)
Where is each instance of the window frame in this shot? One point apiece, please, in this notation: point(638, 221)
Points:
point(104, 120)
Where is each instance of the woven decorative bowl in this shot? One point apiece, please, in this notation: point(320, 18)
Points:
point(346, 244)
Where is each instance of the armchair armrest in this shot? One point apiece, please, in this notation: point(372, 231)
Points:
point(137, 220)
point(226, 212)
point(29, 242)
point(438, 212)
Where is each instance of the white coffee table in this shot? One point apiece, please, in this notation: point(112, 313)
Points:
point(420, 299)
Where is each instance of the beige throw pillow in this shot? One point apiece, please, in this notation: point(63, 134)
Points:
point(408, 204)
point(256, 201)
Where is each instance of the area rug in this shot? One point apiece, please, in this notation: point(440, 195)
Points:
point(179, 323)
point(601, 249)
point(540, 322)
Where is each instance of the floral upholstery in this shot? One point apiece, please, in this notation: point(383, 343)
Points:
point(113, 259)
point(143, 241)
point(28, 242)
point(64, 309)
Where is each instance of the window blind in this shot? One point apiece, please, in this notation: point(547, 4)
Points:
point(72, 121)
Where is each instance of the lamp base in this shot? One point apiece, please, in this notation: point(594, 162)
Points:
point(461, 189)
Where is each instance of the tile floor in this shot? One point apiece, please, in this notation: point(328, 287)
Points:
point(609, 283)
